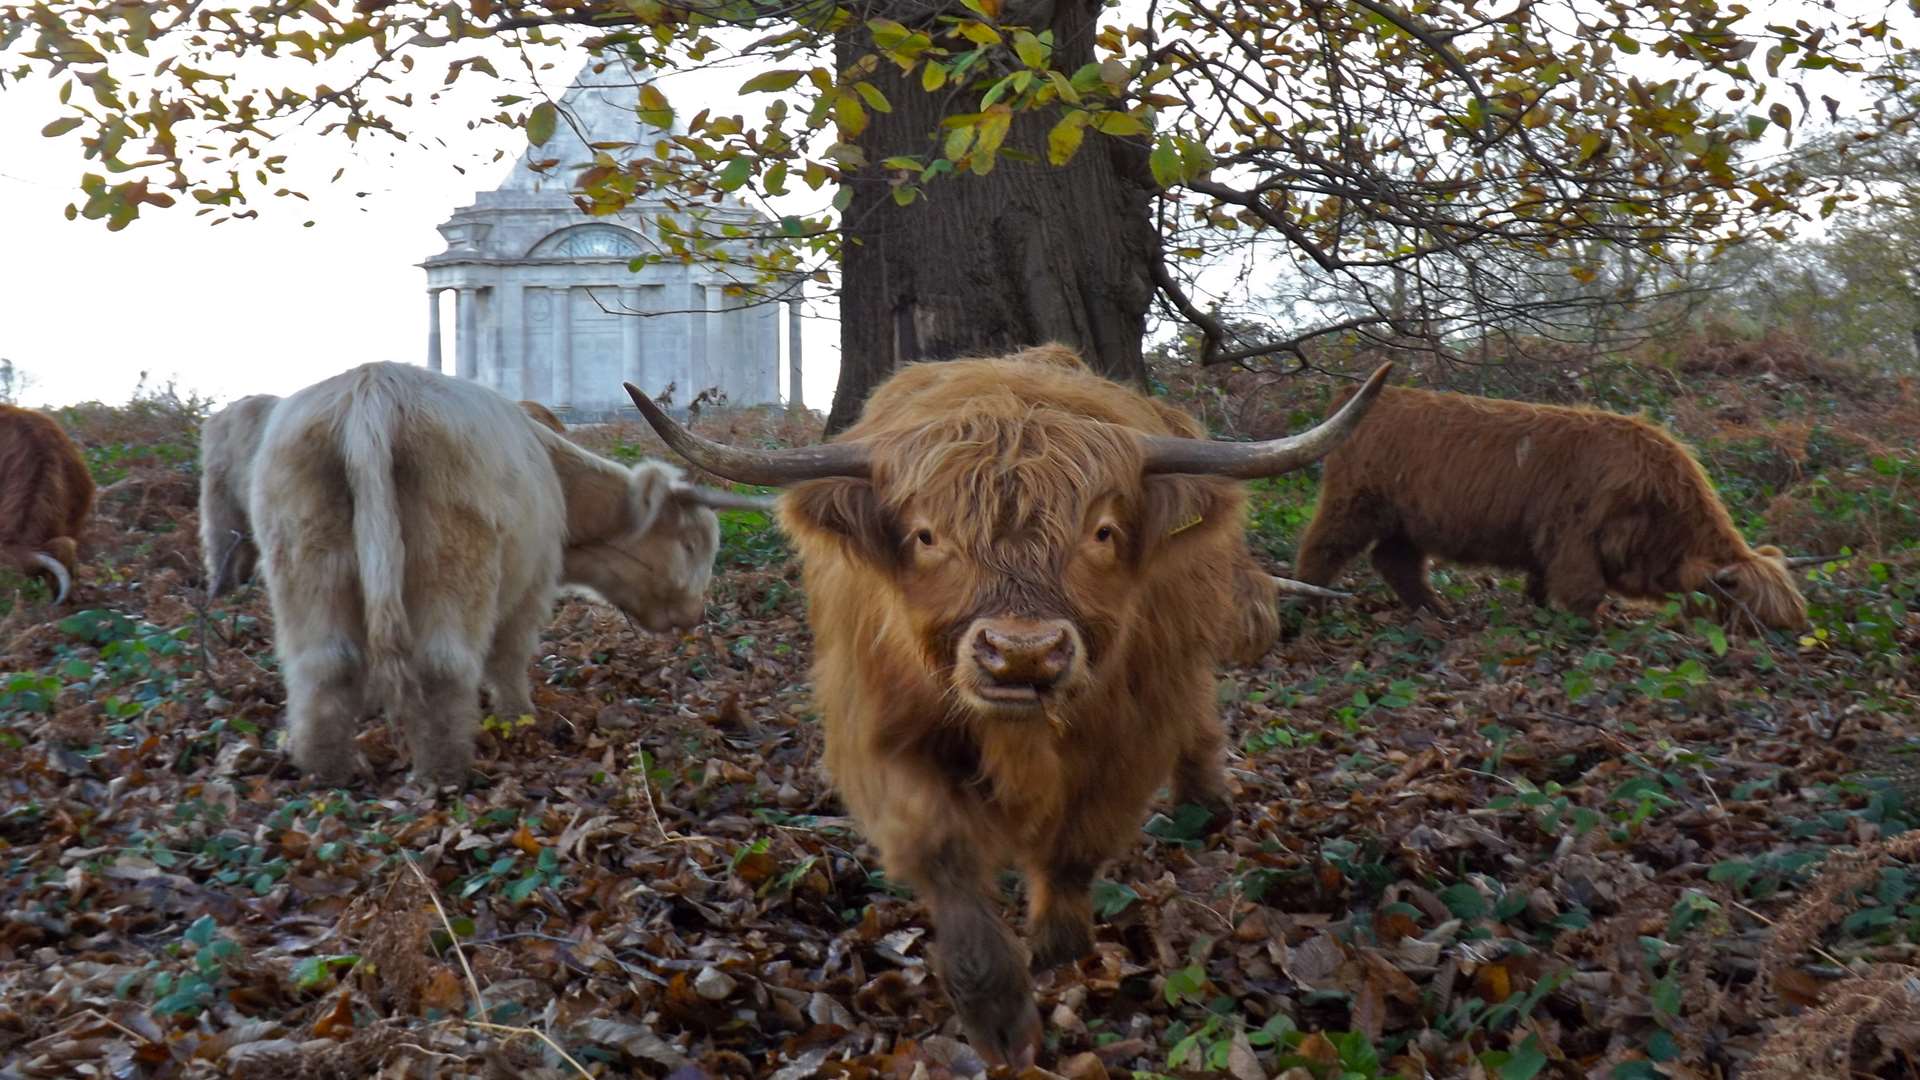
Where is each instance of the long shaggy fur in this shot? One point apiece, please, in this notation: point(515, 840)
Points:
point(413, 529)
point(228, 441)
point(1585, 502)
point(46, 492)
point(990, 480)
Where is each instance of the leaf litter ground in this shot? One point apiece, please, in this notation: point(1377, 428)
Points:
point(1503, 845)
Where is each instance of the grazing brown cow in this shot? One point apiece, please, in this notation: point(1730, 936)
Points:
point(228, 441)
point(543, 416)
point(413, 529)
point(1021, 576)
point(1586, 502)
point(46, 494)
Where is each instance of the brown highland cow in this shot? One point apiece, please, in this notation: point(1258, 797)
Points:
point(46, 495)
point(1585, 502)
point(1017, 573)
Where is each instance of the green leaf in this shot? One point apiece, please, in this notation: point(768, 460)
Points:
point(888, 34)
point(201, 932)
point(979, 33)
point(1032, 51)
point(1525, 1062)
point(735, 174)
point(1716, 639)
point(933, 76)
point(875, 100)
point(1118, 124)
point(1464, 901)
point(654, 110)
point(61, 126)
point(1110, 898)
point(1165, 163)
point(1064, 139)
point(772, 81)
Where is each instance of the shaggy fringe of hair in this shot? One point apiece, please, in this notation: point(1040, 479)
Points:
point(1880, 1002)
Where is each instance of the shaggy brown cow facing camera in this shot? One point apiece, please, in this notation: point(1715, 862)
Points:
point(46, 494)
point(1585, 502)
point(228, 441)
point(413, 529)
point(1016, 572)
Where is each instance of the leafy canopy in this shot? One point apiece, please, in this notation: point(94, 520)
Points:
point(1363, 136)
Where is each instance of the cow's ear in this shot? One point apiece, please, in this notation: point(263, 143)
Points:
point(1179, 509)
point(847, 510)
point(649, 486)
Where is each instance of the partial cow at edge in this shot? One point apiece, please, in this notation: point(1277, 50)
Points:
point(413, 529)
point(46, 495)
point(1585, 502)
point(1020, 578)
point(228, 442)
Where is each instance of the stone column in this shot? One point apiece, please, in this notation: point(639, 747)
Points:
point(696, 360)
point(433, 330)
point(466, 333)
point(630, 327)
point(796, 398)
point(489, 358)
point(716, 357)
point(510, 339)
point(562, 347)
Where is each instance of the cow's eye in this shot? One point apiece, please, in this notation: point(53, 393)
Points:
point(1104, 534)
point(925, 536)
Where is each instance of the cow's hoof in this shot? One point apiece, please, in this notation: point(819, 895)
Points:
point(1060, 941)
point(1003, 1031)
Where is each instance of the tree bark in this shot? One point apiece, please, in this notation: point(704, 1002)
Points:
point(980, 265)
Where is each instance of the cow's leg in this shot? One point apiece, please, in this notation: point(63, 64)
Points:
point(506, 668)
point(1060, 907)
point(1332, 540)
point(975, 953)
point(1404, 568)
point(932, 836)
point(1537, 587)
point(442, 716)
point(1575, 580)
point(324, 705)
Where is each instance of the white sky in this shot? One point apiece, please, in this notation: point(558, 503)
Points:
point(268, 305)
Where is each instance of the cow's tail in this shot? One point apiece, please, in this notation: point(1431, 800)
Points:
point(367, 435)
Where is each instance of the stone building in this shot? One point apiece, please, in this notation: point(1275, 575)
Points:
point(548, 309)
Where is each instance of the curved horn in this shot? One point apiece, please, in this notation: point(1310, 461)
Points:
point(59, 573)
point(1301, 588)
point(1794, 562)
point(769, 467)
point(1248, 461)
point(716, 499)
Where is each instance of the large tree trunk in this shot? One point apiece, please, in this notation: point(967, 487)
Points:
point(979, 265)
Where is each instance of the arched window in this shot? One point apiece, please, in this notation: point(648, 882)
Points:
point(589, 242)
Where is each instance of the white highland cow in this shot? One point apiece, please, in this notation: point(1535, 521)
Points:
point(414, 529)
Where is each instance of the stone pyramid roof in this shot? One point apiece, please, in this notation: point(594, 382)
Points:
point(598, 107)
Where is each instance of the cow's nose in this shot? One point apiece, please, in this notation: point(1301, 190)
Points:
point(1035, 656)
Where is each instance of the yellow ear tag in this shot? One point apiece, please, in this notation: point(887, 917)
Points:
point(1197, 519)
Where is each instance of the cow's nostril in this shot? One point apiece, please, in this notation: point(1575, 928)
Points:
point(988, 651)
point(1036, 659)
point(1058, 656)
